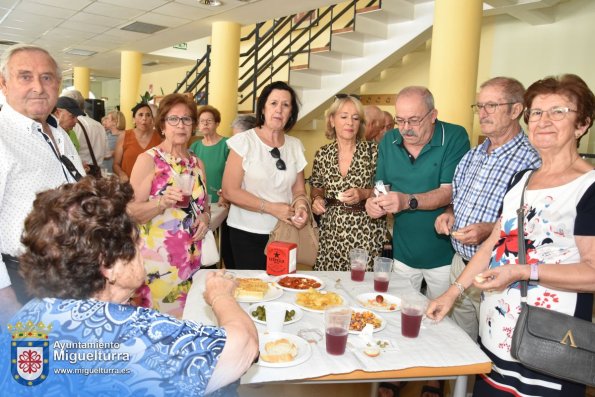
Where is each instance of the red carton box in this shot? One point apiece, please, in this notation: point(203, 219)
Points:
point(281, 258)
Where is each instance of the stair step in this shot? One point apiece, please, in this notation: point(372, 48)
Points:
point(299, 67)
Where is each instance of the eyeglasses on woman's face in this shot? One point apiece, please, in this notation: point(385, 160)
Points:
point(206, 121)
point(413, 121)
point(555, 113)
point(277, 155)
point(175, 120)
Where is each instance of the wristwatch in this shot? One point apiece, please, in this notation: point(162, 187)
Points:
point(412, 202)
point(534, 276)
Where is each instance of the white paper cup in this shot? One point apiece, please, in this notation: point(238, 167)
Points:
point(275, 316)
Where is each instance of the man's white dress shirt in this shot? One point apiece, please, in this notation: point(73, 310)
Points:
point(28, 165)
point(97, 137)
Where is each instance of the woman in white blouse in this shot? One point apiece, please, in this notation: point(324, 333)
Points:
point(264, 176)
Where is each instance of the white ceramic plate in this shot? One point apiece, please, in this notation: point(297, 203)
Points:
point(302, 276)
point(379, 317)
point(304, 351)
point(368, 300)
point(273, 293)
point(299, 313)
point(321, 310)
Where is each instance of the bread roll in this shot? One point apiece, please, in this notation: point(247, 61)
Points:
point(279, 351)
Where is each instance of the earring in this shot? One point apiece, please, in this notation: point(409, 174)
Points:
point(111, 282)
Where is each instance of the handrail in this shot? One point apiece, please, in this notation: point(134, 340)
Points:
point(273, 49)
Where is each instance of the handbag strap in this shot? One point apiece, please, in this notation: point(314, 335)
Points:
point(88, 143)
point(522, 256)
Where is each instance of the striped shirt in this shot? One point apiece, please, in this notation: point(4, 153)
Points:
point(481, 180)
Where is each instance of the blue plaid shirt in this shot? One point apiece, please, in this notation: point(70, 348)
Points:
point(481, 181)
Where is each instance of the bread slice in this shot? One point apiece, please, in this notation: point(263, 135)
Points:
point(279, 351)
point(253, 288)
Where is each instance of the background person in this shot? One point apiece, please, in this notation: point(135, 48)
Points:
point(82, 290)
point(480, 182)
point(342, 179)
point(172, 233)
point(389, 122)
point(95, 132)
point(115, 123)
point(559, 235)
point(264, 174)
point(374, 123)
point(243, 122)
point(135, 141)
point(34, 151)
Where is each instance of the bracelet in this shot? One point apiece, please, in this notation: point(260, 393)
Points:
point(459, 287)
point(261, 210)
point(159, 203)
point(217, 297)
point(317, 196)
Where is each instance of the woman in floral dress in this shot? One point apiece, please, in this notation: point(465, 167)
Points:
point(172, 232)
point(342, 179)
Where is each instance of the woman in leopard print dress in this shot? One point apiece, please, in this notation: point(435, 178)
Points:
point(342, 179)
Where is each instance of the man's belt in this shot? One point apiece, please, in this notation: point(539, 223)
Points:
point(359, 207)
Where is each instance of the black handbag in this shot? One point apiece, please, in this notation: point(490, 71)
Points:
point(551, 342)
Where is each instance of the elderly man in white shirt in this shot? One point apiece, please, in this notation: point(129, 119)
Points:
point(36, 155)
point(95, 131)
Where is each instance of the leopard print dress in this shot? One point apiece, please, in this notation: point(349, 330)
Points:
point(340, 231)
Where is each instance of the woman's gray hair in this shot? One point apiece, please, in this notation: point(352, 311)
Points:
point(14, 49)
point(244, 122)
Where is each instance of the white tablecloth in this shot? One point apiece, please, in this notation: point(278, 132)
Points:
point(438, 345)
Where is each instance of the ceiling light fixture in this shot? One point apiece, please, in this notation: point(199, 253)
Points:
point(211, 3)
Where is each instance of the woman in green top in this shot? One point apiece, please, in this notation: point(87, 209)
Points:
point(213, 151)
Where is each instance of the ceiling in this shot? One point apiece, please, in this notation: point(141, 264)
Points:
point(61, 26)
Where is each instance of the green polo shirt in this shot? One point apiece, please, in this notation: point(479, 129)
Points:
point(415, 241)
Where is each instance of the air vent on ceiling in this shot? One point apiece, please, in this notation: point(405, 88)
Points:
point(80, 52)
point(142, 27)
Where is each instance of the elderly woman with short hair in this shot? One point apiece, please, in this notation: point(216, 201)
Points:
point(82, 263)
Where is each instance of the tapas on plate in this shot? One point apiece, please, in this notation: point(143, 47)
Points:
point(379, 302)
point(299, 282)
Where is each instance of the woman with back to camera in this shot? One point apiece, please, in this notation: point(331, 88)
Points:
point(559, 235)
point(82, 289)
point(171, 228)
point(135, 141)
point(264, 177)
point(342, 179)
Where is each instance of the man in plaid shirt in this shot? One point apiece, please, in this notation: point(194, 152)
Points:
point(480, 182)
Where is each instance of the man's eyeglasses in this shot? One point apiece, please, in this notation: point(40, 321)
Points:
point(556, 113)
point(489, 107)
point(277, 155)
point(343, 96)
point(175, 120)
point(413, 122)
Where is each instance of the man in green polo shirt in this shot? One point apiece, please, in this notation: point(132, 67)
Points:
point(418, 160)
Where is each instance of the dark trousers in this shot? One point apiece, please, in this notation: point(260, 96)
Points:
point(16, 280)
point(248, 249)
point(226, 252)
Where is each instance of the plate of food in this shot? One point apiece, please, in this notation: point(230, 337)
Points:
point(316, 301)
point(361, 317)
point(256, 290)
point(379, 302)
point(292, 313)
point(279, 349)
point(299, 282)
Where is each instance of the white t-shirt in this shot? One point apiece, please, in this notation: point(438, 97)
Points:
point(263, 179)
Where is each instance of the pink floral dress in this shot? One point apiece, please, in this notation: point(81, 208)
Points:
point(171, 257)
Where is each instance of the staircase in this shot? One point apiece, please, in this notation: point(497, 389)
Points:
point(342, 47)
point(380, 37)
